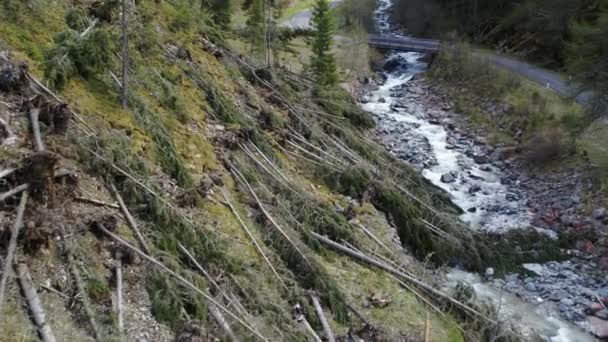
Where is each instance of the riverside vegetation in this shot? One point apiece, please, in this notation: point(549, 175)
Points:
point(158, 184)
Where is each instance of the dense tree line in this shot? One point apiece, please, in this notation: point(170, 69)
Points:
point(567, 35)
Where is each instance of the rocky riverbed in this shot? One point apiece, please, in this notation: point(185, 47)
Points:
point(420, 126)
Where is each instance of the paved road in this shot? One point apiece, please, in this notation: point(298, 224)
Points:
point(302, 19)
point(544, 77)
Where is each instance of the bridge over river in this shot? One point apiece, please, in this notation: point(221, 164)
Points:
point(401, 43)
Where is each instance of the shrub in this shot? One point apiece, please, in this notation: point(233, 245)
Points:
point(352, 182)
point(546, 146)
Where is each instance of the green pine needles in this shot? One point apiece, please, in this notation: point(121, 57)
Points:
point(322, 62)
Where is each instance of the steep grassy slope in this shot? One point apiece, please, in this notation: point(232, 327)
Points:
point(240, 167)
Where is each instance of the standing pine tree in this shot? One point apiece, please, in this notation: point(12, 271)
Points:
point(322, 62)
point(220, 11)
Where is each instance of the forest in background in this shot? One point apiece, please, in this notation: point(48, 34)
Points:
point(564, 35)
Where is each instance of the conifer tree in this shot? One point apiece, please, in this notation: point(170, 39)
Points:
point(322, 62)
point(255, 25)
point(221, 12)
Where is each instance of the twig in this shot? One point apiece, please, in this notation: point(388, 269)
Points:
point(12, 246)
point(398, 274)
point(48, 288)
point(119, 309)
point(252, 238)
point(324, 323)
point(14, 191)
point(130, 220)
point(34, 114)
point(181, 279)
point(97, 202)
point(33, 302)
point(84, 298)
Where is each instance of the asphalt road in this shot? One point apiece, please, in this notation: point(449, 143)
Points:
point(302, 19)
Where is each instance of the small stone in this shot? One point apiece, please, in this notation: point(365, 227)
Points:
point(480, 159)
point(566, 301)
point(511, 197)
point(474, 189)
point(599, 213)
point(382, 100)
point(489, 272)
point(530, 287)
point(472, 210)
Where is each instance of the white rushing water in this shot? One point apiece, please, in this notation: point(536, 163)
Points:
point(541, 318)
point(512, 214)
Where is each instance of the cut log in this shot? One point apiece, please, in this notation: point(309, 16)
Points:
point(12, 246)
point(7, 172)
point(130, 220)
point(328, 333)
point(33, 302)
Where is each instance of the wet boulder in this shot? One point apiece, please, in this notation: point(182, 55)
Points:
point(449, 177)
point(474, 189)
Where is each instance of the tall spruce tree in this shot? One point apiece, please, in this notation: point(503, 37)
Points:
point(256, 25)
point(322, 62)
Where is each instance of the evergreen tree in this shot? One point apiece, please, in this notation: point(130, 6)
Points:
point(322, 62)
point(587, 57)
point(221, 12)
point(255, 25)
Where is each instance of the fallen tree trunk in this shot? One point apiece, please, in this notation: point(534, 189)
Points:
point(183, 280)
point(13, 191)
point(84, 298)
point(222, 322)
point(130, 220)
point(119, 309)
point(399, 274)
point(34, 120)
point(328, 333)
point(33, 302)
point(12, 246)
point(252, 238)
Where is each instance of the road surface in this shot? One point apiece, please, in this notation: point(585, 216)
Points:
point(302, 19)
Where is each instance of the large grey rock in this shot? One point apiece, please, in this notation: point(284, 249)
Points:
point(530, 287)
point(449, 177)
point(474, 189)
